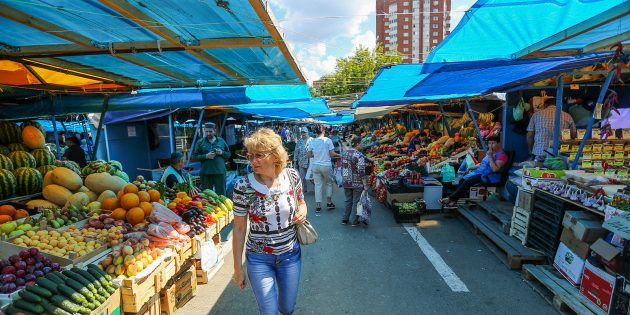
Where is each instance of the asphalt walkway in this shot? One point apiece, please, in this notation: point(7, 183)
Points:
point(435, 267)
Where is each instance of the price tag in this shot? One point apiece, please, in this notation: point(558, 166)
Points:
point(618, 148)
point(582, 132)
point(566, 134)
point(622, 173)
point(606, 155)
point(610, 172)
point(564, 148)
point(587, 156)
point(587, 148)
point(627, 148)
point(572, 156)
point(574, 148)
point(618, 163)
point(598, 164)
point(599, 172)
point(608, 147)
point(595, 134)
point(597, 147)
point(619, 154)
point(587, 164)
point(625, 133)
point(597, 156)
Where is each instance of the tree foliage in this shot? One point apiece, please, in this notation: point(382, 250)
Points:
point(354, 73)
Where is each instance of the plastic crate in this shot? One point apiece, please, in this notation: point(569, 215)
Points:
point(407, 217)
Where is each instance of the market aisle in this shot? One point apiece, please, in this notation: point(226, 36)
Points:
point(381, 270)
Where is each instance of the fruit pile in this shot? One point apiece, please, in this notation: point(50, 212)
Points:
point(392, 174)
point(131, 204)
point(407, 207)
point(381, 193)
point(57, 218)
point(103, 227)
point(9, 213)
point(74, 291)
point(130, 258)
point(15, 228)
point(143, 184)
point(217, 206)
point(58, 244)
point(112, 167)
point(197, 220)
point(23, 269)
point(414, 178)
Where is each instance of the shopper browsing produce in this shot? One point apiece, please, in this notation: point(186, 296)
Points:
point(354, 179)
point(541, 126)
point(488, 171)
point(212, 151)
point(271, 197)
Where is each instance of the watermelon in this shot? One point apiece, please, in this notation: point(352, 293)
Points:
point(7, 184)
point(34, 124)
point(4, 150)
point(45, 169)
point(71, 165)
point(17, 147)
point(29, 180)
point(43, 157)
point(9, 133)
point(22, 159)
point(5, 163)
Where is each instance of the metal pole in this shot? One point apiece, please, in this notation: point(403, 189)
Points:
point(223, 125)
point(171, 135)
point(192, 145)
point(86, 137)
point(589, 127)
point(444, 123)
point(504, 123)
point(106, 142)
point(54, 123)
point(472, 116)
point(101, 122)
point(556, 127)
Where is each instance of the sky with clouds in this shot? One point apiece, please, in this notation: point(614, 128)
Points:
point(320, 31)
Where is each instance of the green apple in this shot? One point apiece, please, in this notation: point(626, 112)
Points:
point(25, 227)
point(16, 233)
point(8, 227)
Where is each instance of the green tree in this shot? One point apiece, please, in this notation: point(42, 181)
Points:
point(354, 73)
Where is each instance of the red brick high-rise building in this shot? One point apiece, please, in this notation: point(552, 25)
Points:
point(412, 27)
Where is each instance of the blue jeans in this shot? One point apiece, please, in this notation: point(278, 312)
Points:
point(275, 280)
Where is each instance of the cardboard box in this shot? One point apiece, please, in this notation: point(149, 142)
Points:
point(524, 199)
point(585, 225)
point(605, 250)
point(597, 286)
point(569, 264)
point(580, 248)
point(480, 193)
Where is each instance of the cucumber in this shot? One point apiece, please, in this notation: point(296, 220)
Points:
point(103, 292)
point(87, 276)
point(100, 299)
point(73, 295)
point(65, 304)
point(54, 310)
point(12, 310)
point(77, 277)
point(42, 292)
point(54, 277)
point(99, 271)
point(104, 282)
point(47, 284)
point(81, 289)
point(30, 297)
point(28, 306)
point(91, 306)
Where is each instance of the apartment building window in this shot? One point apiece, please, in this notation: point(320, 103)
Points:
point(435, 33)
point(435, 3)
point(406, 27)
point(435, 10)
point(405, 42)
point(435, 18)
point(406, 11)
point(406, 19)
point(435, 41)
point(406, 3)
point(405, 34)
point(435, 26)
point(405, 49)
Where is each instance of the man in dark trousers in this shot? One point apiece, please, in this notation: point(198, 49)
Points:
point(212, 152)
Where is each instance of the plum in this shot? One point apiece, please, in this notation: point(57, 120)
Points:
point(8, 278)
point(30, 269)
point(14, 259)
point(20, 281)
point(25, 254)
point(30, 277)
point(8, 269)
point(34, 251)
point(47, 270)
point(20, 273)
point(39, 265)
point(20, 265)
point(56, 267)
point(4, 263)
point(47, 263)
point(30, 261)
point(38, 273)
point(30, 283)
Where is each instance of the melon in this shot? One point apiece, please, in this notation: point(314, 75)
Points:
point(56, 194)
point(78, 200)
point(67, 178)
point(34, 124)
point(41, 203)
point(91, 195)
point(106, 194)
point(28, 180)
point(7, 184)
point(44, 170)
point(22, 159)
point(100, 182)
point(9, 133)
point(33, 138)
point(17, 147)
point(71, 165)
point(47, 179)
point(4, 150)
point(43, 157)
point(5, 163)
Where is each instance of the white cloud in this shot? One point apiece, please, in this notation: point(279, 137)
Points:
point(366, 39)
point(461, 6)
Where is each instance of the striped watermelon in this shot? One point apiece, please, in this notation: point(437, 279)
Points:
point(34, 124)
point(43, 157)
point(29, 180)
point(5, 163)
point(7, 184)
point(17, 147)
point(4, 150)
point(74, 166)
point(22, 159)
point(45, 169)
point(10, 133)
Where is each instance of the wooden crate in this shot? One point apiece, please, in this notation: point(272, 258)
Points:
point(137, 292)
point(168, 271)
point(197, 240)
point(151, 307)
point(204, 277)
point(109, 307)
point(181, 289)
point(519, 224)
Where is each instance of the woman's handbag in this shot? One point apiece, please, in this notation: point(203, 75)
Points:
point(306, 233)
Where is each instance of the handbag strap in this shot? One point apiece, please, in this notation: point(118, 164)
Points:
point(292, 183)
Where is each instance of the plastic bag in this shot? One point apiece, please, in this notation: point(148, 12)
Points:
point(208, 255)
point(366, 208)
point(447, 173)
point(339, 175)
point(181, 228)
point(162, 230)
point(160, 213)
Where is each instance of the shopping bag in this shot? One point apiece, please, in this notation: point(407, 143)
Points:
point(366, 208)
point(360, 206)
point(208, 255)
point(309, 170)
point(448, 173)
point(338, 175)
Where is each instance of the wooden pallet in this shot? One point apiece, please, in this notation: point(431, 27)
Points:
point(501, 210)
point(550, 284)
point(508, 249)
point(520, 224)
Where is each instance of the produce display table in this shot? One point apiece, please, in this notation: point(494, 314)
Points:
point(430, 191)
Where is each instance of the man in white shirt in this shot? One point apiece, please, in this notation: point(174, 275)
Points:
point(321, 149)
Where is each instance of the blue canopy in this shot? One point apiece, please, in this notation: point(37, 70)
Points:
point(499, 29)
point(390, 85)
point(293, 110)
point(475, 78)
point(336, 119)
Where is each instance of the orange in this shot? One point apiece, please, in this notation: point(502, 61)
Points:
point(135, 215)
point(146, 207)
point(154, 194)
point(119, 214)
point(7, 210)
point(110, 204)
point(129, 200)
point(120, 193)
point(177, 200)
point(144, 196)
point(172, 205)
point(181, 195)
point(130, 188)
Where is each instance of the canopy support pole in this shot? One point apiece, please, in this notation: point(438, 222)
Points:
point(504, 121)
point(192, 145)
point(86, 137)
point(223, 125)
point(101, 122)
point(589, 126)
point(171, 135)
point(472, 116)
point(556, 127)
point(444, 123)
point(54, 122)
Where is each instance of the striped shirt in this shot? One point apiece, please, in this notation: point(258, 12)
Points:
point(542, 123)
point(270, 211)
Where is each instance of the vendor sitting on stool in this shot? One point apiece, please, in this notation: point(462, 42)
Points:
point(487, 172)
point(174, 174)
